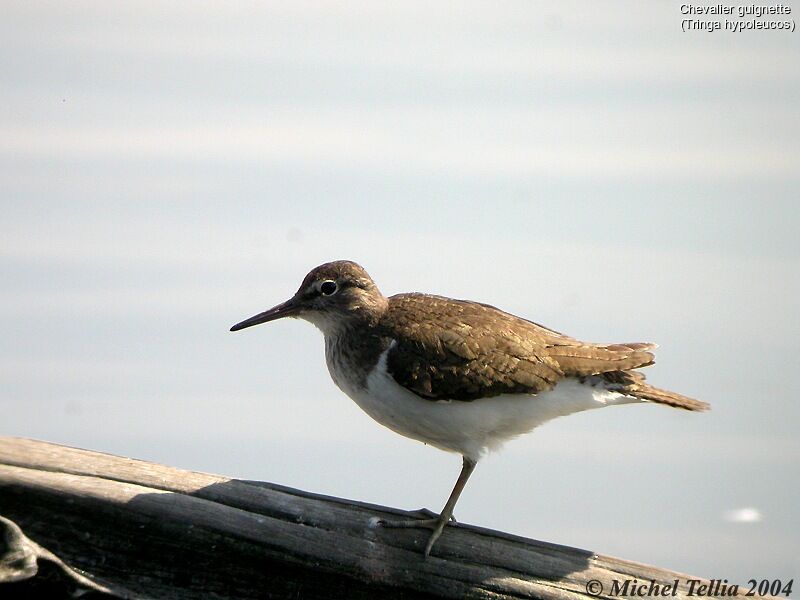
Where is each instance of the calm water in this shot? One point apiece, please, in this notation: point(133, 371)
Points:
point(170, 170)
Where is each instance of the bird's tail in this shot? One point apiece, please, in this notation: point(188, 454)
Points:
point(654, 394)
point(633, 383)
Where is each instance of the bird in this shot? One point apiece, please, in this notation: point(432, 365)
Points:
point(462, 376)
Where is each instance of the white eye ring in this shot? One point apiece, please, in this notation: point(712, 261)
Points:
point(328, 288)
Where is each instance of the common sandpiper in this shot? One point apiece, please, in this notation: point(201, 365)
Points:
point(462, 376)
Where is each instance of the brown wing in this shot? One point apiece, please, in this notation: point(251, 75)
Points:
point(449, 349)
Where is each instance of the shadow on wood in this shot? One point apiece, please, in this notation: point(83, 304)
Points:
point(117, 527)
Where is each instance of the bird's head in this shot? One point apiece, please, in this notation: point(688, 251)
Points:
point(332, 296)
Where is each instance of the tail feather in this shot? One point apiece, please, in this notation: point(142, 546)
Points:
point(633, 383)
point(654, 394)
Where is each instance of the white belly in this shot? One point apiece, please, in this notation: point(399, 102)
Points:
point(470, 428)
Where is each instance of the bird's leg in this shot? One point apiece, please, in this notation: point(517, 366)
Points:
point(447, 512)
point(438, 523)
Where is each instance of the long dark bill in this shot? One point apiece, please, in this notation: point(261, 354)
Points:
point(287, 309)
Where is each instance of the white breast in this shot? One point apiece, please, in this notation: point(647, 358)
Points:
point(468, 428)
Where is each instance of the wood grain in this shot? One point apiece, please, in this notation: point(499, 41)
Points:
point(124, 528)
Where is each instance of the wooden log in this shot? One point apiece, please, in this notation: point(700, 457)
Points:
point(125, 528)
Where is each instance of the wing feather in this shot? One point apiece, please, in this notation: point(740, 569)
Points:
point(449, 349)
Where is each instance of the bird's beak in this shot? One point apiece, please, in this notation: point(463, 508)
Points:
point(289, 308)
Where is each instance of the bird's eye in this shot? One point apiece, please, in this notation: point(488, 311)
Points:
point(327, 288)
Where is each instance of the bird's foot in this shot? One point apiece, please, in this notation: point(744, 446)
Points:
point(429, 521)
point(425, 512)
point(434, 522)
point(407, 523)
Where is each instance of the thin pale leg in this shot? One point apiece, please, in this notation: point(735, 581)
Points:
point(438, 523)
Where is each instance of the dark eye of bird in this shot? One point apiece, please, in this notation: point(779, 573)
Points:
point(327, 288)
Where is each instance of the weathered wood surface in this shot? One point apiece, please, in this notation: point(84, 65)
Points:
point(123, 528)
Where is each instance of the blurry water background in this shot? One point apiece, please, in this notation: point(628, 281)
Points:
point(168, 169)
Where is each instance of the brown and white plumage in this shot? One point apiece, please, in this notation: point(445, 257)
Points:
point(462, 376)
point(461, 350)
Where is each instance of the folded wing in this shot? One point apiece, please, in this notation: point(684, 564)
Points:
point(449, 349)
